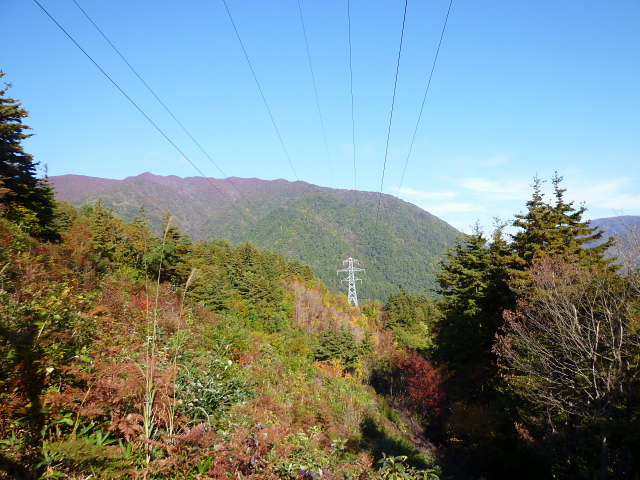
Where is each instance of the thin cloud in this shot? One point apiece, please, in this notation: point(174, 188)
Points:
point(504, 189)
point(602, 194)
point(495, 161)
point(451, 207)
point(369, 149)
point(422, 195)
point(347, 147)
point(624, 201)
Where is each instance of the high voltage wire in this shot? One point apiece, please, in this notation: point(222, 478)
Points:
point(260, 89)
point(353, 121)
point(139, 109)
point(163, 104)
point(395, 85)
point(415, 131)
point(315, 89)
point(268, 108)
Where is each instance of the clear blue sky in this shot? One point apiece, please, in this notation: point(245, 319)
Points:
point(520, 88)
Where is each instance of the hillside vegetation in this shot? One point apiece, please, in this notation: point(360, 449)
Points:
point(130, 355)
point(126, 353)
point(398, 243)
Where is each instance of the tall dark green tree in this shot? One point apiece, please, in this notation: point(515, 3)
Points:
point(480, 279)
point(554, 228)
point(474, 291)
point(24, 199)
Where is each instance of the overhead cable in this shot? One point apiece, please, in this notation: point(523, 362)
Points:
point(225, 176)
point(260, 89)
point(395, 85)
point(353, 121)
point(424, 98)
point(139, 109)
point(315, 89)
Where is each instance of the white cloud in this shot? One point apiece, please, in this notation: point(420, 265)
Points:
point(622, 202)
point(420, 195)
point(598, 194)
point(451, 207)
point(503, 189)
point(494, 161)
point(347, 147)
point(369, 149)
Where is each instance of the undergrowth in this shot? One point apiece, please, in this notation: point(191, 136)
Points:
point(224, 362)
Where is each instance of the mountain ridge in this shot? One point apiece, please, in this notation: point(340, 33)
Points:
point(399, 243)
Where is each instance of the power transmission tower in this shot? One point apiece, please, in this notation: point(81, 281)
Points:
point(352, 279)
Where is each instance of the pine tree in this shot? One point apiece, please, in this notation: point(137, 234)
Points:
point(471, 310)
point(24, 199)
point(557, 228)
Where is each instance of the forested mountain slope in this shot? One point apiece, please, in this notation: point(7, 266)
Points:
point(399, 245)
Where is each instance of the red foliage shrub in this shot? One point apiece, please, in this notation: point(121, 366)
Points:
point(423, 391)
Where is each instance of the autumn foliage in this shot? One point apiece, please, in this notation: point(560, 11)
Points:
point(423, 391)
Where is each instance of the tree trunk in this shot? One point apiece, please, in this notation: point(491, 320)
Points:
point(604, 454)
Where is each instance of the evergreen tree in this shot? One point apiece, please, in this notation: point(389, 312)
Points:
point(554, 229)
point(24, 199)
point(412, 317)
point(168, 258)
point(479, 281)
point(473, 288)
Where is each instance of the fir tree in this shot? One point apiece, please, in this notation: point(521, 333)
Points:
point(24, 199)
point(553, 229)
point(466, 331)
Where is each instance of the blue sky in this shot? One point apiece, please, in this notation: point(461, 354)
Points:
point(520, 88)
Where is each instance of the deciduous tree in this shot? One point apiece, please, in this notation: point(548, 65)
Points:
point(570, 351)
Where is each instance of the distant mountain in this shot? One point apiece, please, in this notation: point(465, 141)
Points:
point(397, 243)
point(626, 230)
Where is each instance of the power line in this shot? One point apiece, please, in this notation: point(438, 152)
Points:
point(353, 121)
point(415, 131)
point(260, 89)
point(395, 85)
point(162, 103)
point(138, 108)
point(315, 89)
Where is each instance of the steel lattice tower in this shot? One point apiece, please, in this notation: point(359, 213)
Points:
point(352, 279)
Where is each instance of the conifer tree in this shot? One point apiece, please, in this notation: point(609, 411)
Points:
point(473, 288)
point(24, 199)
point(554, 229)
point(482, 279)
point(169, 256)
point(412, 317)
